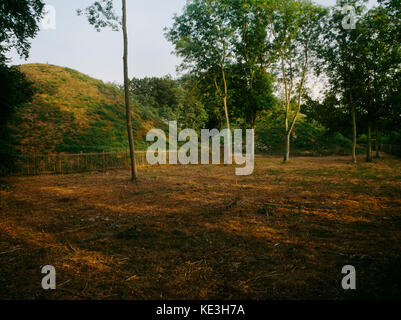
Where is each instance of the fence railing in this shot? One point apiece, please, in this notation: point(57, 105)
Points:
point(74, 163)
point(63, 163)
point(391, 149)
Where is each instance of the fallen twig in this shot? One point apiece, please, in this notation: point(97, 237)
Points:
point(13, 250)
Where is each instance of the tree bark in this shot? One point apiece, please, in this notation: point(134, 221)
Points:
point(290, 127)
point(252, 121)
point(226, 112)
point(134, 172)
point(225, 98)
point(369, 144)
point(377, 142)
point(223, 95)
point(287, 147)
point(354, 158)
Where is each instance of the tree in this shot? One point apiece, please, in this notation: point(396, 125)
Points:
point(295, 28)
point(15, 90)
point(203, 89)
point(339, 63)
point(251, 84)
point(101, 14)
point(371, 57)
point(331, 112)
point(379, 67)
point(363, 67)
point(172, 99)
point(250, 96)
point(161, 93)
point(202, 37)
point(19, 21)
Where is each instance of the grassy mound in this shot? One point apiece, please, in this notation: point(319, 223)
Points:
point(72, 112)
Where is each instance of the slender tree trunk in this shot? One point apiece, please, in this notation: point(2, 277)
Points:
point(354, 158)
point(377, 142)
point(226, 112)
point(287, 110)
point(287, 147)
point(134, 172)
point(369, 133)
point(286, 138)
point(253, 120)
point(369, 144)
point(290, 127)
point(225, 98)
point(223, 95)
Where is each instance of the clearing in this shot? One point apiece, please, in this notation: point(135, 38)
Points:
point(200, 232)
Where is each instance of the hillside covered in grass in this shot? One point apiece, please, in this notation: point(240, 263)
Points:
point(72, 112)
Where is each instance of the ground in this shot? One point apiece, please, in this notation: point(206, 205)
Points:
point(200, 232)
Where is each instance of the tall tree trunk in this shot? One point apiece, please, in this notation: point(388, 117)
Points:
point(253, 120)
point(226, 112)
point(354, 158)
point(287, 137)
point(287, 147)
point(377, 141)
point(369, 133)
point(290, 127)
point(134, 172)
point(369, 144)
point(225, 98)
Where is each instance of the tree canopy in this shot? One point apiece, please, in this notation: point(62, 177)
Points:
point(19, 22)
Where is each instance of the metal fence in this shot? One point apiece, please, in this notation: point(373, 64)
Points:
point(63, 163)
point(74, 163)
point(391, 149)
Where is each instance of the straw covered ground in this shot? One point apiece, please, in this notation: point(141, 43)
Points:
point(200, 232)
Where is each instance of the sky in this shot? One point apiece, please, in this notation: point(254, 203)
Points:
point(77, 45)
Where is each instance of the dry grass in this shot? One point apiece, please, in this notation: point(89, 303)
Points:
point(203, 233)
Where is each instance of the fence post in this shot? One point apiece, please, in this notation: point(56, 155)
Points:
point(59, 163)
point(34, 165)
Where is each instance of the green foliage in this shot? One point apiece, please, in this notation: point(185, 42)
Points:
point(101, 15)
point(15, 90)
point(172, 100)
point(249, 97)
point(363, 69)
point(230, 44)
point(19, 21)
point(254, 55)
point(308, 137)
point(202, 35)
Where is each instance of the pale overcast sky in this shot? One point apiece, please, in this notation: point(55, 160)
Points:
point(75, 44)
